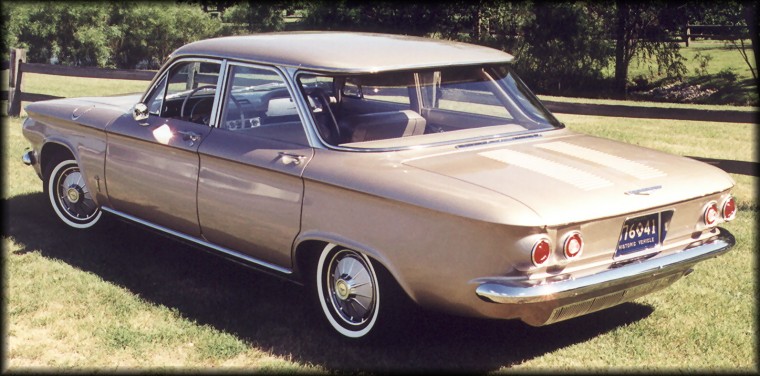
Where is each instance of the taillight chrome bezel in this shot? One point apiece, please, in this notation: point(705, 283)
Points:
point(574, 235)
point(711, 214)
point(536, 245)
point(729, 204)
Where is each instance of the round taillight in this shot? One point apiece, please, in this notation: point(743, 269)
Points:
point(729, 209)
point(541, 251)
point(573, 245)
point(711, 214)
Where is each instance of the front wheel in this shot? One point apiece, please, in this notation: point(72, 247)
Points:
point(69, 196)
point(348, 290)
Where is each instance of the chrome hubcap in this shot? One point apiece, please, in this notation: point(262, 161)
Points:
point(351, 287)
point(73, 196)
point(342, 289)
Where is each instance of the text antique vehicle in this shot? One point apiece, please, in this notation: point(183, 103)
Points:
point(356, 162)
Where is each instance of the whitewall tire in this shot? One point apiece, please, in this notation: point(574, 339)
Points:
point(69, 195)
point(348, 291)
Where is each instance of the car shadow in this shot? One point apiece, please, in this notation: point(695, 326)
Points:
point(275, 315)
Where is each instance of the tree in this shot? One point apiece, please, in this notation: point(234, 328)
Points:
point(566, 47)
point(737, 16)
point(749, 11)
point(106, 34)
point(146, 33)
point(74, 35)
point(257, 16)
point(646, 29)
point(380, 16)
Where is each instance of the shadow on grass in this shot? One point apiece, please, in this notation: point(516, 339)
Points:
point(274, 315)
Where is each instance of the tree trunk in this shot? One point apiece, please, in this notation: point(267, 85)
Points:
point(749, 10)
point(621, 63)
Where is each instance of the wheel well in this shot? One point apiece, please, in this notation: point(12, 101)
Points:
point(307, 253)
point(306, 256)
point(52, 153)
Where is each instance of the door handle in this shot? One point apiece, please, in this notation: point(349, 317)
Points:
point(289, 158)
point(190, 136)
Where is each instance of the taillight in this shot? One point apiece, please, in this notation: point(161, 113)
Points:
point(541, 251)
point(711, 214)
point(573, 245)
point(729, 209)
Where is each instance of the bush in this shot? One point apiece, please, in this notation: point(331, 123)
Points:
point(104, 34)
point(727, 74)
point(703, 61)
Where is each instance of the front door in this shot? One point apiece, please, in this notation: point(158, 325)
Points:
point(152, 167)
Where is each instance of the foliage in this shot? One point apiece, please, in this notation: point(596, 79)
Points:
point(563, 48)
point(122, 35)
point(257, 16)
point(742, 15)
point(381, 16)
point(703, 61)
point(646, 29)
point(148, 32)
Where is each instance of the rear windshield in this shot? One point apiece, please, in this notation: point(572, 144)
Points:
point(413, 108)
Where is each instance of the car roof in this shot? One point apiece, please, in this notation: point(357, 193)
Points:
point(344, 52)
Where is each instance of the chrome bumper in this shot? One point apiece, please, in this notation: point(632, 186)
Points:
point(603, 283)
point(29, 158)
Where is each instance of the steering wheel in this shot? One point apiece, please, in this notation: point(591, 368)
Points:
point(240, 108)
point(184, 103)
point(318, 94)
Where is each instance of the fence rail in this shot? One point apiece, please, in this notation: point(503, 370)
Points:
point(17, 67)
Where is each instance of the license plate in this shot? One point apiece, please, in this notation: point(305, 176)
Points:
point(640, 234)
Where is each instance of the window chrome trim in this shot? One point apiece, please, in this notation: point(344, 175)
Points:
point(161, 73)
point(168, 67)
point(285, 80)
point(200, 242)
point(220, 83)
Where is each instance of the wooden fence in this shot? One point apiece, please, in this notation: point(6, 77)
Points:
point(18, 67)
point(716, 32)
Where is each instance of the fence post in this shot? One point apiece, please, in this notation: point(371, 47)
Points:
point(15, 84)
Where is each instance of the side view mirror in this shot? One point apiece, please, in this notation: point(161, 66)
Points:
point(140, 113)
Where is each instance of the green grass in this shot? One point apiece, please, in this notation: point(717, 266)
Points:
point(722, 56)
point(122, 297)
point(725, 72)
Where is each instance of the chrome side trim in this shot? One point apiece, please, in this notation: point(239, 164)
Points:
point(492, 289)
point(201, 242)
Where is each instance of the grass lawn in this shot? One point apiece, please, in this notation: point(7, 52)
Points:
point(722, 56)
point(725, 73)
point(122, 297)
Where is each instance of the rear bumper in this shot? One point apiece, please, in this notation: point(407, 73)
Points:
point(602, 290)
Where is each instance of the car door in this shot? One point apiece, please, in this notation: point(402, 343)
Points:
point(152, 166)
point(250, 188)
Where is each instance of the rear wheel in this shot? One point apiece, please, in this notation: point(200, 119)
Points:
point(348, 289)
point(69, 196)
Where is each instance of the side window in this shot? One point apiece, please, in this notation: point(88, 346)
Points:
point(394, 90)
point(156, 99)
point(461, 91)
point(257, 102)
point(187, 92)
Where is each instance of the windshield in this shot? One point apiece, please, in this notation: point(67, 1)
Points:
point(414, 108)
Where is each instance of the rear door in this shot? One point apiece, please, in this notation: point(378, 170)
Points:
point(250, 188)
